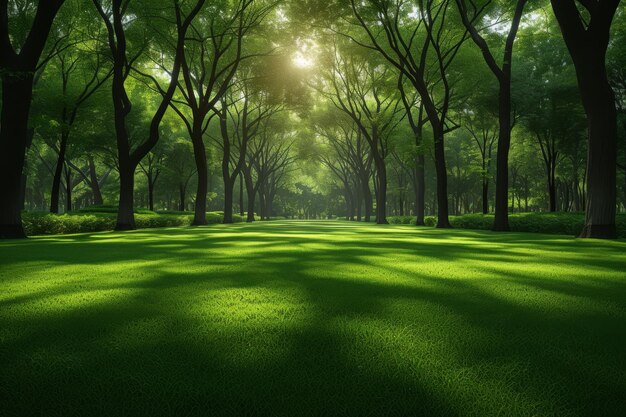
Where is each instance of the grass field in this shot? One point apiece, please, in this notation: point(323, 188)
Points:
point(326, 318)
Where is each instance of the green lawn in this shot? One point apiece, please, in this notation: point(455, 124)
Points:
point(326, 318)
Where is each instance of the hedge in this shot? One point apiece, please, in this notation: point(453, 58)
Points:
point(549, 223)
point(84, 222)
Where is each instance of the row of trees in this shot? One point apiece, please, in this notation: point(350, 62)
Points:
point(421, 47)
point(201, 61)
point(395, 107)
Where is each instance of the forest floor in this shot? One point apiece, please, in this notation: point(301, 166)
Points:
point(312, 318)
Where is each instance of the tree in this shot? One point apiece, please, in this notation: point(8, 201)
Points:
point(421, 43)
point(586, 31)
point(212, 55)
point(18, 64)
point(503, 74)
point(364, 92)
point(115, 20)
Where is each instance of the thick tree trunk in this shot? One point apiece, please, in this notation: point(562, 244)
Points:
point(16, 99)
point(229, 186)
point(601, 161)
point(588, 47)
point(381, 192)
point(125, 214)
point(485, 196)
point(58, 173)
point(501, 220)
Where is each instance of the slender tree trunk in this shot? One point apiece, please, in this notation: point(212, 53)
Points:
point(94, 183)
point(58, 173)
point(68, 190)
point(252, 190)
point(16, 99)
point(420, 190)
point(150, 193)
point(241, 210)
point(443, 221)
point(181, 197)
point(485, 196)
point(199, 152)
point(381, 195)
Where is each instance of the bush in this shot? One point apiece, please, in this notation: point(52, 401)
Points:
point(401, 220)
point(110, 210)
point(549, 223)
point(53, 224)
point(89, 222)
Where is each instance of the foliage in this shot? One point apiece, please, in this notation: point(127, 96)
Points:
point(100, 221)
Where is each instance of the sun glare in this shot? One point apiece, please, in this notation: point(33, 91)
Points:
point(302, 61)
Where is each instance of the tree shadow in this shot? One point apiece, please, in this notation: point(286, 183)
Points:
point(298, 319)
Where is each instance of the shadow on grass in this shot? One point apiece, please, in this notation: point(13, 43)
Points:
point(313, 319)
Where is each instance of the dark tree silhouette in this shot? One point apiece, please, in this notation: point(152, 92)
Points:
point(18, 65)
point(587, 38)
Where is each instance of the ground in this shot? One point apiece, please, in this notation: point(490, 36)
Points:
point(312, 318)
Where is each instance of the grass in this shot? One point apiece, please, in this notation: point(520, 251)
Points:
point(305, 318)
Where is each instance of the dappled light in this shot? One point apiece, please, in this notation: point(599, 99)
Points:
point(328, 316)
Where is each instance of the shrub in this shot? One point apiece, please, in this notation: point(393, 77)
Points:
point(110, 209)
point(549, 223)
point(37, 223)
point(401, 220)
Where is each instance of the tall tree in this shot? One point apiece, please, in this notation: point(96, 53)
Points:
point(213, 52)
point(422, 43)
point(18, 64)
point(116, 20)
point(502, 72)
point(586, 28)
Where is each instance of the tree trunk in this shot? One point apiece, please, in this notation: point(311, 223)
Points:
point(58, 173)
point(199, 152)
point(241, 210)
point(251, 189)
point(68, 190)
point(443, 221)
point(181, 197)
point(588, 47)
point(150, 193)
point(16, 99)
point(601, 161)
point(367, 197)
point(485, 196)
point(125, 214)
point(501, 220)
point(420, 190)
point(94, 183)
point(229, 186)
point(381, 191)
